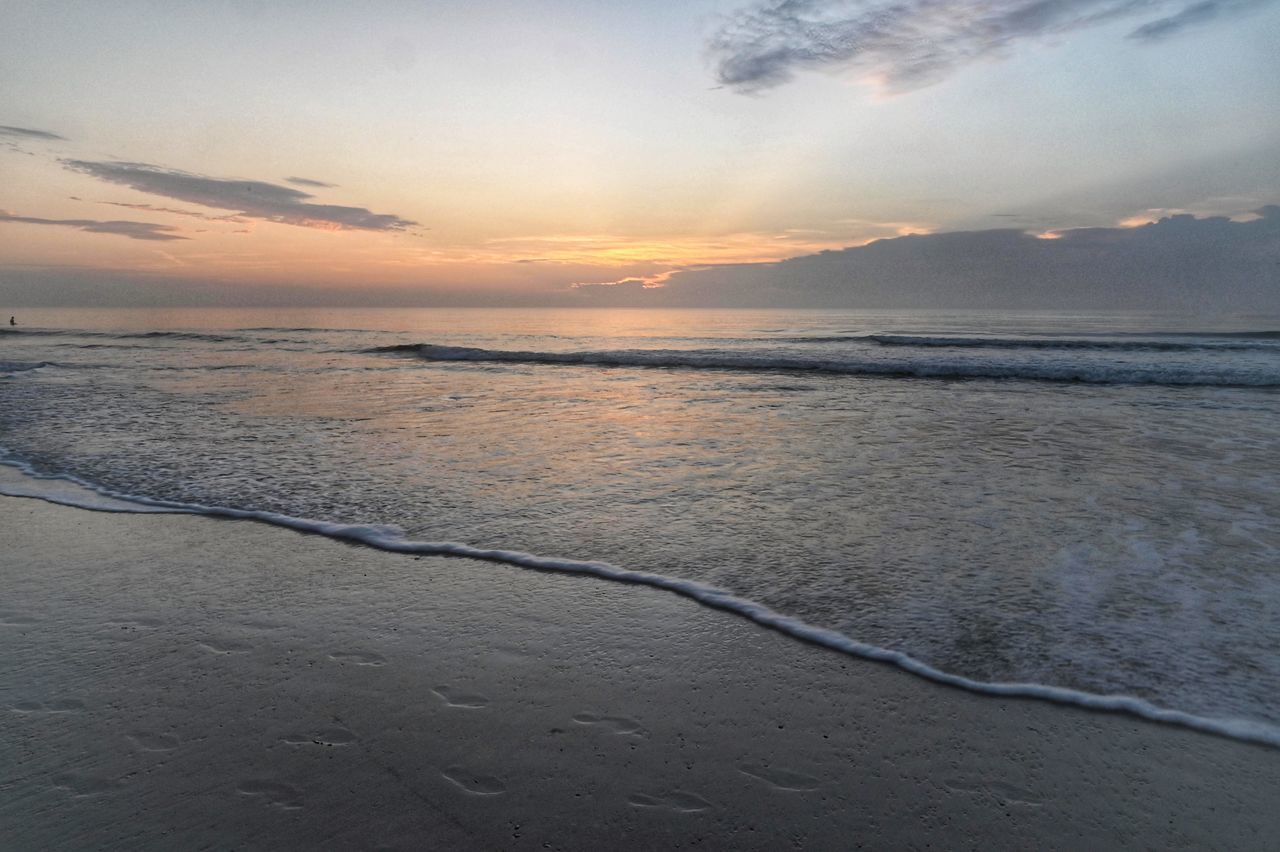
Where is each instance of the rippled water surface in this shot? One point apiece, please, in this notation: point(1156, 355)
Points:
point(1079, 501)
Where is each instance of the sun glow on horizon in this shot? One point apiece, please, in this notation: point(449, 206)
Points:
point(605, 149)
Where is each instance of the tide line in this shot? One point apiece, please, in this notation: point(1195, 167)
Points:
point(392, 539)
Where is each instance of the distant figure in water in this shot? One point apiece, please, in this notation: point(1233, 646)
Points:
point(12, 321)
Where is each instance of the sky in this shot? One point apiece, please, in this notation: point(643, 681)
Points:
point(242, 152)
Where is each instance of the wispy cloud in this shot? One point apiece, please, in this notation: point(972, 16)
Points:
point(132, 230)
point(683, 250)
point(908, 44)
point(301, 181)
point(249, 198)
point(28, 133)
point(15, 139)
point(173, 210)
point(645, 282)
point(1191, 16)
point(172, 260)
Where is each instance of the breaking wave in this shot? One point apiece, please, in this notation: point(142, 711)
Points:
point(11, 367)
point(1256, 340)
point(754, 361)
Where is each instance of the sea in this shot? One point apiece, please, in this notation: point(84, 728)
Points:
point(1077, 508)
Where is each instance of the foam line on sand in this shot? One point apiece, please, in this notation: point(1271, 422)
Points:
point(175, 681)
point(392, 539)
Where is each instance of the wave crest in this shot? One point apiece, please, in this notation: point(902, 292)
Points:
point(1203, 342)
point(920, 368)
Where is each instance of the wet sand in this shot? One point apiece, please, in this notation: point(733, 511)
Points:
point(172, 681)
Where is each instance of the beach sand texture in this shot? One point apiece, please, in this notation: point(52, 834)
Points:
point(184, 682)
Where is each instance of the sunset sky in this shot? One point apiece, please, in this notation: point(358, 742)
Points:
point(484, 149)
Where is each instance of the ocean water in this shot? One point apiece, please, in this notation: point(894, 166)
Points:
point(1089, 505)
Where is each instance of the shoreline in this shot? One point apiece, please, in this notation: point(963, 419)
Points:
point(180, 680)
point(390, 540)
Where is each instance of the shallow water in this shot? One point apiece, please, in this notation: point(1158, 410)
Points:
point(1086, 502)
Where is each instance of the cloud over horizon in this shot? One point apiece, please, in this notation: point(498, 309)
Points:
point(250, 199)
point(1180, 262)
point(132, 230)
point(909, 44)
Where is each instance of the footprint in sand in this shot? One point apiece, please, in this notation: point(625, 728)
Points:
point(613, 724)
point(783, 779)
point(1011, 793)
point(254, 624)
point(325, 737)
point(274, 793)
point(457, 698)
point(147, 741)
point(678, 801)
point(1007, 793)
point(359, 658)
point(64, 705)
point(58, 705)
point(474, 782)
point(131, 623)
point(84, 784)
point(222, 648)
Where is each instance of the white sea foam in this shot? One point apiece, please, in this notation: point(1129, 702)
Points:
point(73, 491)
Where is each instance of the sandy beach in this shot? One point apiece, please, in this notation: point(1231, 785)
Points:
point(174, 681)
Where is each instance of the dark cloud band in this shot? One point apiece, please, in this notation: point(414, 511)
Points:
point(28, 133)
point(132, 230)
point(1202, 266)
point(251, 199)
